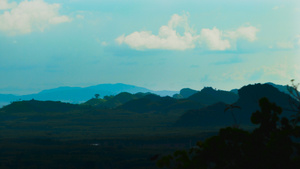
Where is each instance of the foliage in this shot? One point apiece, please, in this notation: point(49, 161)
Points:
point(97, 96)
point(295, 102)
point(272, 145)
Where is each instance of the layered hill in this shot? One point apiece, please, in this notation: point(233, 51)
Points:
point(186, 92)
point(246, 104)
point(136, 113)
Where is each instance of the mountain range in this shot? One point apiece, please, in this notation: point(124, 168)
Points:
point(81, 94)
point(139, 113)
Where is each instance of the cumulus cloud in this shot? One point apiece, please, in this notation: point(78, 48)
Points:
point(248, 33)
point(167, 38)
point(213, 39)
point(28, 16)
point(170, 39)
point(6, 5)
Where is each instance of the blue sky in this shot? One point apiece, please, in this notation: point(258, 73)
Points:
point(156, 44)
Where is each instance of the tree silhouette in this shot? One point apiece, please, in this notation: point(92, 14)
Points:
point(295, 101)
point(231, 107)
point(97, 96)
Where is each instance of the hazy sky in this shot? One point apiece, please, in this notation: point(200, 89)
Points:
point(156, 44)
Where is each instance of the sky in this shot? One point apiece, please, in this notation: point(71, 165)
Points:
point(157, 44)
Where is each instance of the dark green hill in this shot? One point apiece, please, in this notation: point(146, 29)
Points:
point(95, 102)
point(250, 95)
point(209, 116)
point(114, 101)
point(210, 96)
point(40, 106)
point(248, 102)
point(187, 92)
point(282, 88)
point(149, 103)
point(119, 99)
point(154, 103)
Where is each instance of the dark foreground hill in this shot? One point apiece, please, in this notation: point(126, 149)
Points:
point(157, 104)
point(57, 120)
point(209, 96)
point(215, 115)
point(40, 106)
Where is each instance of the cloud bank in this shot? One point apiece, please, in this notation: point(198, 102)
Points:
point(29, 16)
point(169, 38)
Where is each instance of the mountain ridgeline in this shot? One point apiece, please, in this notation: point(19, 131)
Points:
point(137, 113)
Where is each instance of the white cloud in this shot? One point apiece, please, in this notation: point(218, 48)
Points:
point(275, 7)
point(169, 38)
point(213, 39)
point(285, 45)
point(244, 32)
point(248, 33)
point(6, 5)
point(28, 16)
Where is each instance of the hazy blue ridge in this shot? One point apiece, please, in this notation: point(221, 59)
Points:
point(7, 98)
point(81, 94)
